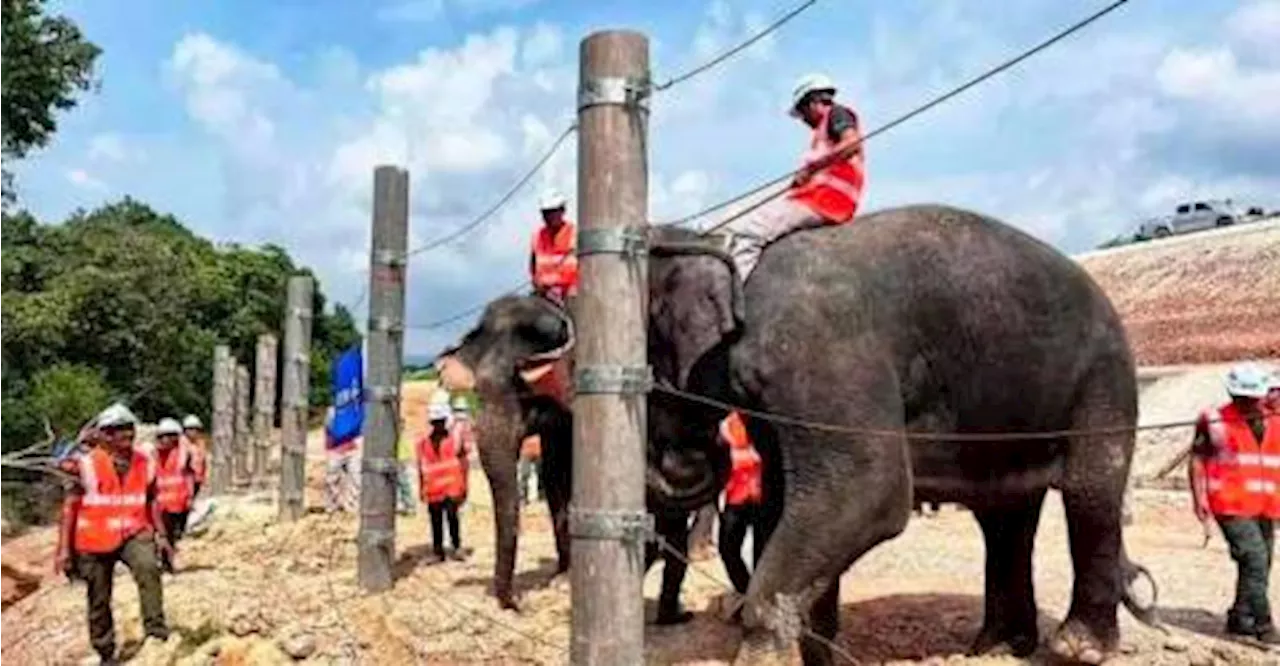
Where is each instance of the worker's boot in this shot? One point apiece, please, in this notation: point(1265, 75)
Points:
point(1239, 626)
point(1269, 637)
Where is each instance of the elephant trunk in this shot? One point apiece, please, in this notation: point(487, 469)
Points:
point(498, 433)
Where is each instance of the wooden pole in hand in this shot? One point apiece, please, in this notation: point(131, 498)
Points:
point(293, 400)
point(223, 420)
point(607, 520)
point(385, 348)
point(264, 404)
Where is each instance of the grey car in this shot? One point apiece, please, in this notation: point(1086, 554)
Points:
point(1192, 216)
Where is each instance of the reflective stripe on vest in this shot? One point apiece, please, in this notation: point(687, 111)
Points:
point(1243, 475)
point(835, 191)
point(112, 509)
point(744, 485)
point(174, 480)
point(441, 471)
point(555, 259)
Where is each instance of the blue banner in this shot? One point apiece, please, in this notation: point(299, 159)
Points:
point(348, 397)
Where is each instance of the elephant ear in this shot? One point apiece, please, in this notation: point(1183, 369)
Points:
point(550, 373)
point(695, 302)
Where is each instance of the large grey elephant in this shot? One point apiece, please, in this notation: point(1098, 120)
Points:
point(921, 319)
point(507, 358)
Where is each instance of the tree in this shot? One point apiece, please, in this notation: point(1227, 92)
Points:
point(47, 63)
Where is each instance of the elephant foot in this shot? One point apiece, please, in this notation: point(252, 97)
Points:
point(671, 616)
point(766, 651)
point(1002, 641)
point(506, 600)
point(1076, 643)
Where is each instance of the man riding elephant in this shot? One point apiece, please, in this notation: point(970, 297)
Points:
point(924, 320)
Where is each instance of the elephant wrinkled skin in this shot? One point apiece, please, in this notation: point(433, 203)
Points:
point(921, 319)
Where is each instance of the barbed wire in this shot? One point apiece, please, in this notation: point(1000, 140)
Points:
point(502, 201)
point(809, 633)
point(923, 108)
point(933, 436)
point(735, 50)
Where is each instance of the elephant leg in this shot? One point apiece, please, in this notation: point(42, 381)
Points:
point(1093, 484)
point(1009, 614)
point(557, 491)
point(824, 624)
point(498, 434)
point(842, 497)
point(675, 530)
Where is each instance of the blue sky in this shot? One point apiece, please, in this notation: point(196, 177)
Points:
point(261, 121)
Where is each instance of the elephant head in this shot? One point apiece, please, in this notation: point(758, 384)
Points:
point(695, 315)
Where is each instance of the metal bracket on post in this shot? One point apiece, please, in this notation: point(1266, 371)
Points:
point(630, 242)
point(302, 313)
point(384, 466)
point(613, 379)
point(301, 358)
point(385, 325)
point(389, 258)
point(376, 538)
point(614, 90)
point(633, 527)
point(382, 393)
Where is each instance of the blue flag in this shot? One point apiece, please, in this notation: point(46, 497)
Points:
point(348, 396)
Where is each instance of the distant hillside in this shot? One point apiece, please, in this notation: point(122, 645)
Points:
point(1206, 298)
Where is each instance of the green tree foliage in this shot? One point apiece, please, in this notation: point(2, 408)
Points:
point(47, 62)
point(68, 396)
point(133, 299)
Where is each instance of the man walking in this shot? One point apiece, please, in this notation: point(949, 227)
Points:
point(440, 479)
point(527, 468)
point(743, 495)
point(341, 493)
point(193, 431)
point(405, 504)
point(1235, 481)
point(110, 515)
point(176, 480)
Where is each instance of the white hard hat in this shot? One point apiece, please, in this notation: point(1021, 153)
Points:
point(168, 426)
point(807, 84)
point(438, 412)
point(1247, 380)
point(115, 416)
point(192, 421)
point(552, 200)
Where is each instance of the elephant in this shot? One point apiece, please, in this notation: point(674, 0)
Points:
point(921, 353)
point(514, 408)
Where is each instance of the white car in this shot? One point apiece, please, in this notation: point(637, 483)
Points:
point(1193, 216)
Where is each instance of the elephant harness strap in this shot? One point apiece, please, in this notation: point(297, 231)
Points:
point(1244, 473)
point(744, 486)
point(441, 470)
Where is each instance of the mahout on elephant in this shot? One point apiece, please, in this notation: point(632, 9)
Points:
point(927, 320)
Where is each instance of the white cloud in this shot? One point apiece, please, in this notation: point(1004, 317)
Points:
point(220, 83)
point(422, 11)
point(109, 147)
point(86, 181)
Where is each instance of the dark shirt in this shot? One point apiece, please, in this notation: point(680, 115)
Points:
point(840, 120)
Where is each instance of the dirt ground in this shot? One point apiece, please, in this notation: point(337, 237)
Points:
point(250, 587)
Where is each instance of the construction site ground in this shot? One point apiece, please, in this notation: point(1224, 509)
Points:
point(250, 588)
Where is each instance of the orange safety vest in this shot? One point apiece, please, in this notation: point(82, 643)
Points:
point(835, 191)
point(440, 470)
point(174, 479)
point(1243, 475)
point(744, 486)
point(199, 460)
point(112, 509)
point(555, 259)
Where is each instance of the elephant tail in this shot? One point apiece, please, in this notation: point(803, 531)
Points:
point(1130, 573)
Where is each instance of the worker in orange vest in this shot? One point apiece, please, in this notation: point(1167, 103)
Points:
point(440, 479)
point(527, 466)
point(1235, 480)
point(193, 432)
point(176, 480)
point(110, 515)
point(553, 261)
point(743, 495)
point(828, 187)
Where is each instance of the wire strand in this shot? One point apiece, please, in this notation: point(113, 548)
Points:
point(502, 201)
point(933, 103)
point(742, 46)
point(928, 436)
